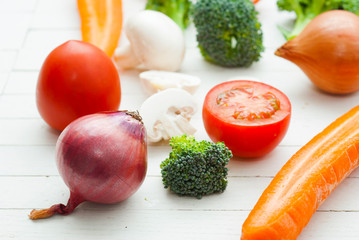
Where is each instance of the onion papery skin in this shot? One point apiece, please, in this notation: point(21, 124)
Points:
point(327, 51)
point(102, 158)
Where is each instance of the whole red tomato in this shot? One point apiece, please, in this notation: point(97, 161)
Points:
point(250, 117)
point(76, 79)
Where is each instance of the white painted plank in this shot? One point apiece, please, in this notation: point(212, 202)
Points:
point(28, 160)
point(129, 224)
point(115, 223)
point(306, 121)
point(242, 193)
point(7, 59)
point(39, 161)
point(50, 38)
point(18, 106)
point(18, 123)
point(17, 6)
point(130, 83)
point(304, 97)
point(3, 81)
point(24, 106)
point(331, 225)
point(26, 132)
point(68, 19)
point(55, 6)
point(14, 27)
point(21, 83)
point(304, 126)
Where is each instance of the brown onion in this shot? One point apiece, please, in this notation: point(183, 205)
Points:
point(102, 158)
point(327, 50)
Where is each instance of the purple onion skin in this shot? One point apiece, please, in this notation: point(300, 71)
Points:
point(102, 158)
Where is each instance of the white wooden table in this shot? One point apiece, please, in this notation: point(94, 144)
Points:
point(30, 29)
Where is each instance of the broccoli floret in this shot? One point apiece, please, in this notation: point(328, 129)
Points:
point(306, 10)
point(195, 168)
point(228, 32)
point(177, 10)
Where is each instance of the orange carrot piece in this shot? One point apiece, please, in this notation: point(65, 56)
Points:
point(305, 181)
point(101, 23)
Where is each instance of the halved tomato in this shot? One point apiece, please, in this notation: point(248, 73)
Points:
point(250, 117)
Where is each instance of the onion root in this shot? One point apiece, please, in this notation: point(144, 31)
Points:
point(72, 203)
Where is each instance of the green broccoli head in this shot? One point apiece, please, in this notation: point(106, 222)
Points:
point(195, 168)
point(306, 10)
point(228, 32)
point(177, 10)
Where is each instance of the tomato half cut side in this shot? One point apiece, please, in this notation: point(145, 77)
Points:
point(250, 117)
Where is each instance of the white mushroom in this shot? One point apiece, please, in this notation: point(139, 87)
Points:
point(167, 113)
point(155, 81)
point(156, 43)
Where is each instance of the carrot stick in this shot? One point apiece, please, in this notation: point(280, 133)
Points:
point(305, 181)
point(101, 23)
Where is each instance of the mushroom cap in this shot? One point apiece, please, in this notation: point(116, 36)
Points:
point(163, 106)
point(154, 81)
point(156, 40)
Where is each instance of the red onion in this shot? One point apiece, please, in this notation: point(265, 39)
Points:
point(102, 158)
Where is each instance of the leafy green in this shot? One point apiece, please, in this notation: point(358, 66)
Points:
point(177, 10)
point(306, 10)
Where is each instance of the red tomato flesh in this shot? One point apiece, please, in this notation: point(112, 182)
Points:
point(250, 117)
point(76, 79)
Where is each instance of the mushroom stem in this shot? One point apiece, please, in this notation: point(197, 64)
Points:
point(125, 58)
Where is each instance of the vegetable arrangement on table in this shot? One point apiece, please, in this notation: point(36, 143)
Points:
point(246, 119)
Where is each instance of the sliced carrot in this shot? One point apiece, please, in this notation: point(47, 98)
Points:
point(101, 23)
point(305, 181)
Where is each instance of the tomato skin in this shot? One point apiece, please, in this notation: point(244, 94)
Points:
point(246, 141)
point(76, 79)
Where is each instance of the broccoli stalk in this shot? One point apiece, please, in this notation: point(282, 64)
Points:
point(177, 10)
point(195, 168)
point(228, 32)
point(306, 10)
